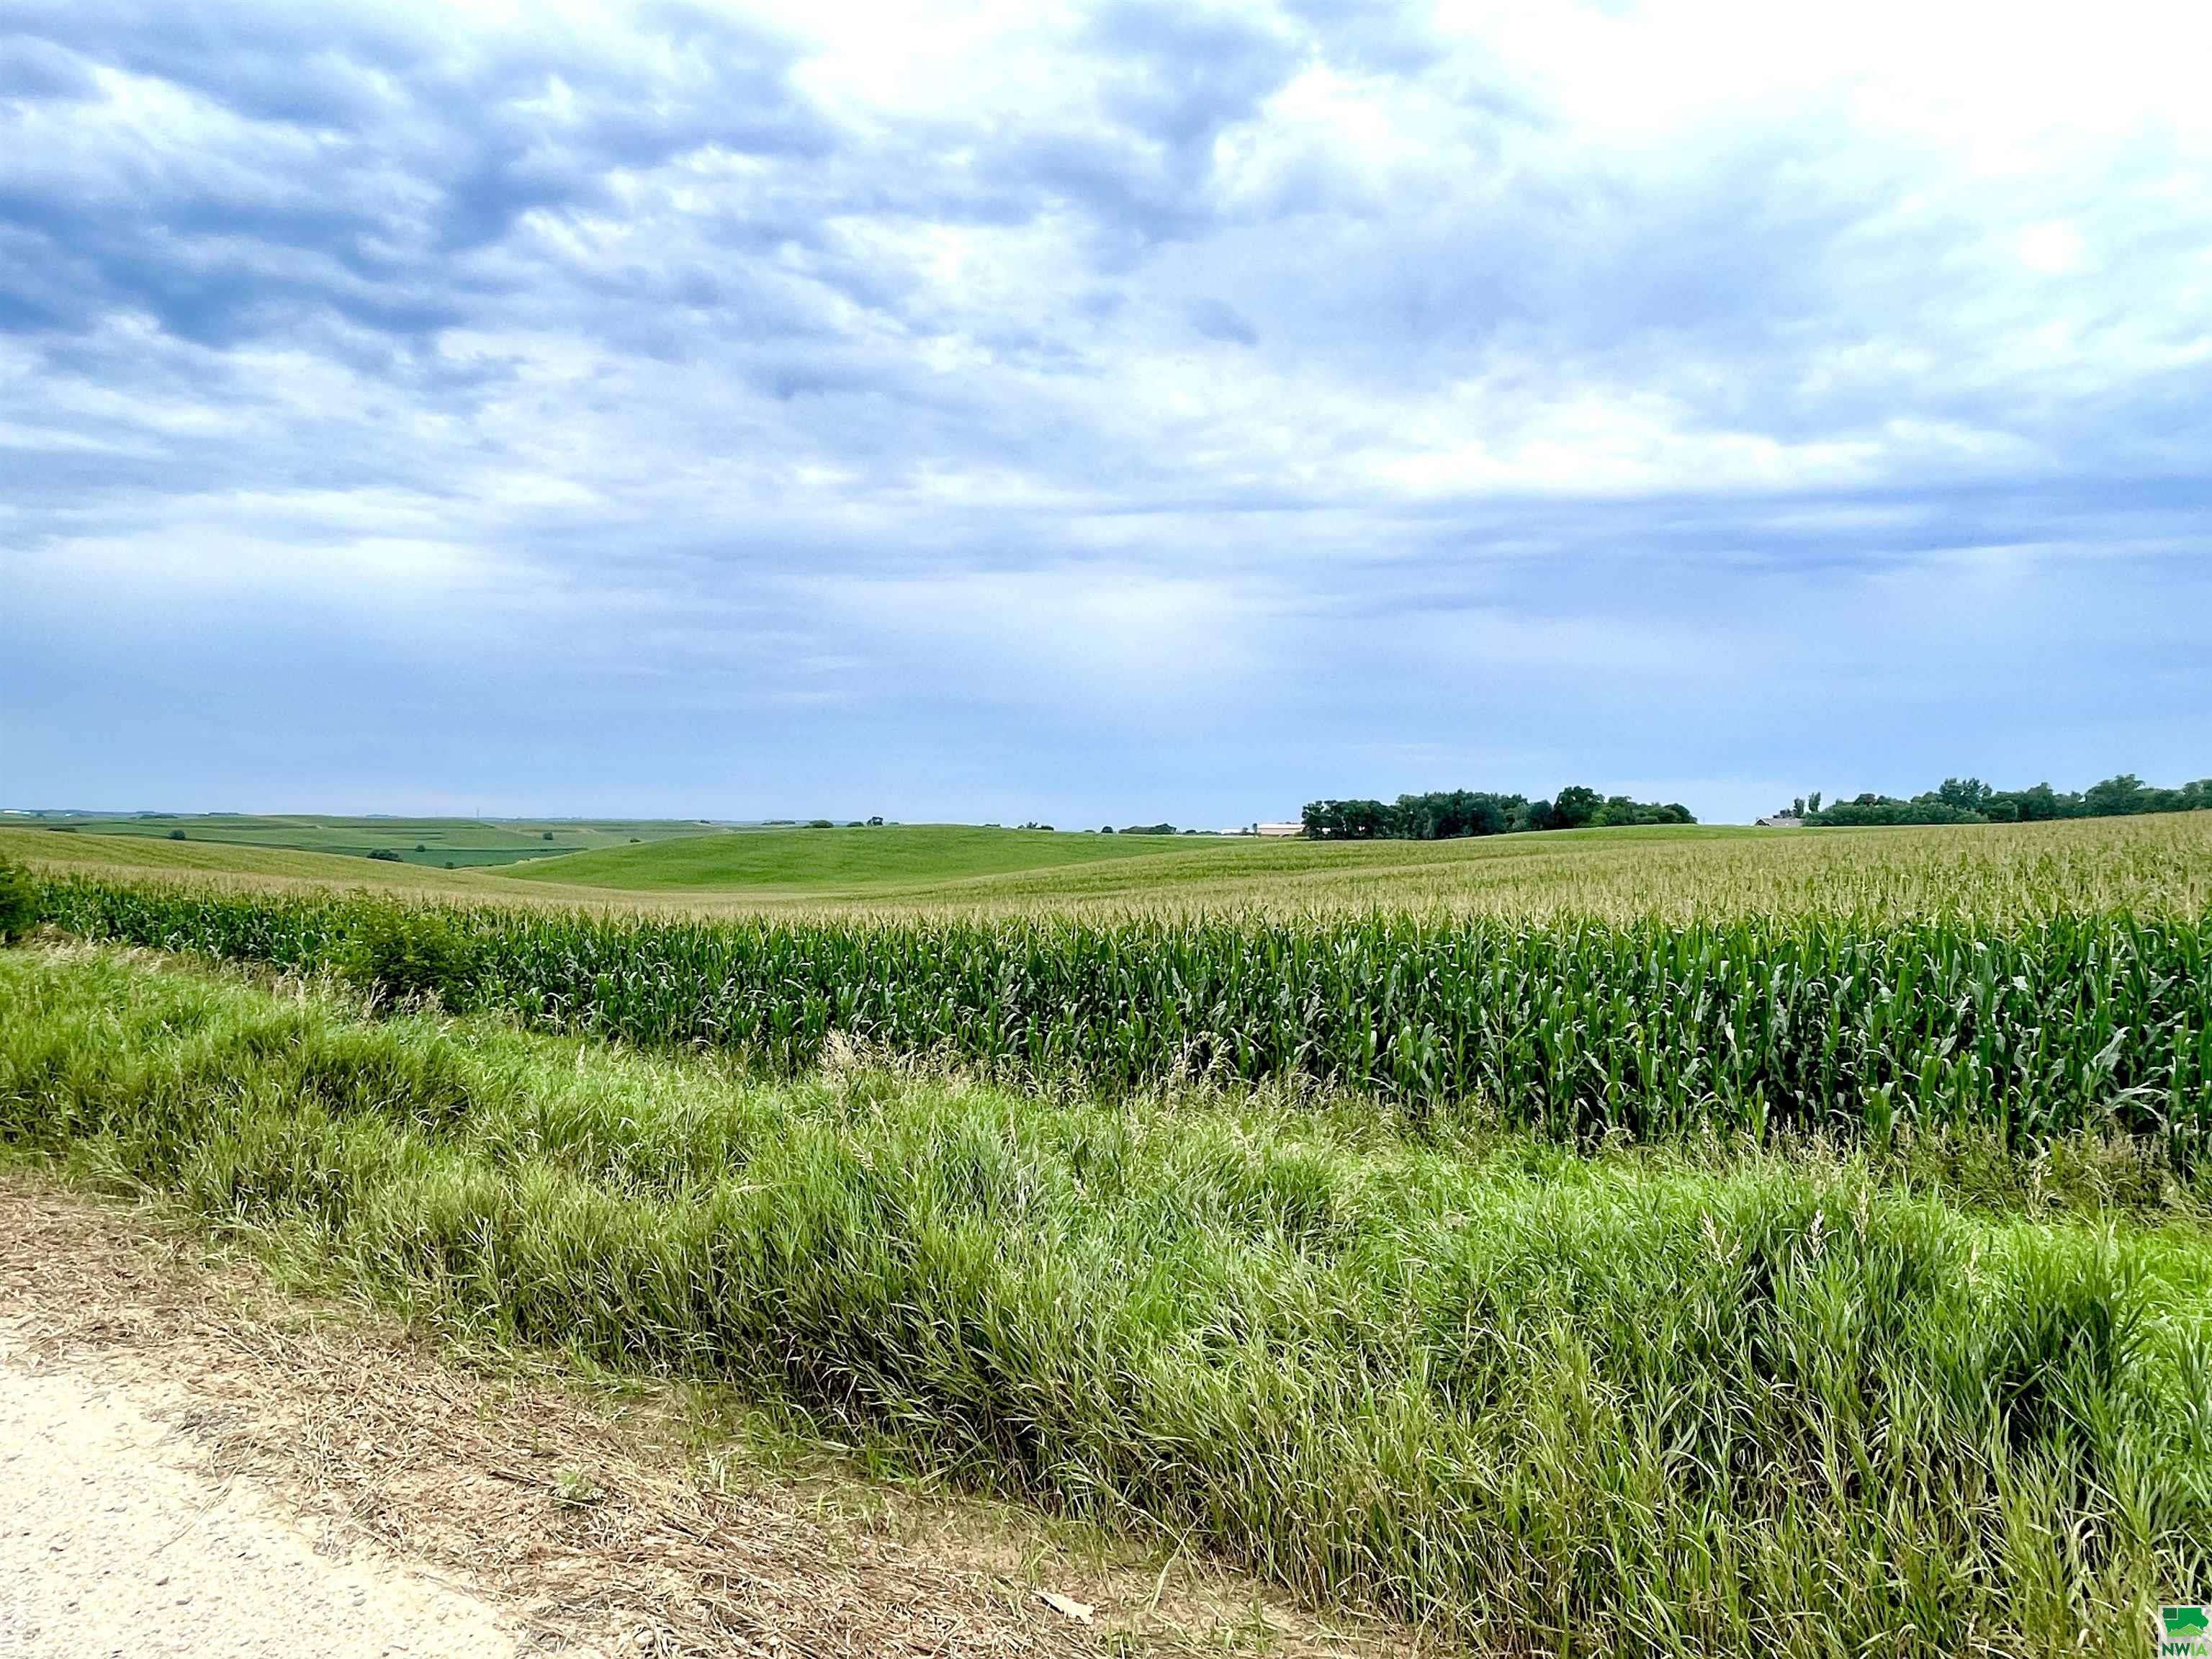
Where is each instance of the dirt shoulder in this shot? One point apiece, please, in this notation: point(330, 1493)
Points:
point(114, 1542)
point(322, 1466)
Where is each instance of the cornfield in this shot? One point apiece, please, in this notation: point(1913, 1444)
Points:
point(1576, 1029)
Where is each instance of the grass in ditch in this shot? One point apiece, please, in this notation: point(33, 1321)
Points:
point(1749, 1403)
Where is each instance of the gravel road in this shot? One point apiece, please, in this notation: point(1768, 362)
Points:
point(111, 1543)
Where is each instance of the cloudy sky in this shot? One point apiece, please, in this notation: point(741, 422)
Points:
point(1129, 410)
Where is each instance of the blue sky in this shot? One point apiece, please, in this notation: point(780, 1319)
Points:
point(1127, 411)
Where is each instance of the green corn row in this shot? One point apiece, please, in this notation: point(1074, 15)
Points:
point(1576, 1029)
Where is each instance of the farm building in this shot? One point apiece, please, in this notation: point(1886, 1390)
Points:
point(1280, 829)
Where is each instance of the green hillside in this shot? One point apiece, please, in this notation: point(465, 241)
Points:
point(883, 858)
point(461, 843)
point(2158, 866)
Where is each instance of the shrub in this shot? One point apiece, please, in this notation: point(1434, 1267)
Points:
point(387, 856)
point(19, 902)
point(176, 834)
point(407, 954)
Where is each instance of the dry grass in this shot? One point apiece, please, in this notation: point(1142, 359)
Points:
point(614, 1520)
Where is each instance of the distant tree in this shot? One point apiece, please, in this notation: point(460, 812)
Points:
point(1534, 815)
point(1149, 829)
point(1575, 806)
point(2037, 804)
point(1447, 815)
point(419, 847)
point(1873, 809)
point(1620, 812)
point(1797, 807)
point(876, 822)
point(1348, 820)
point(1965, 795)
point(387, 856)
point(1969, 801)
point(820, 823)
point(635, 841)
point(176, 834)
point(1106, 829)
point(549, 835)
point(1813, 801)
point(449, 864)
point(2114, 797)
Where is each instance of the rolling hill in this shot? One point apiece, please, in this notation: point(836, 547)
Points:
point(837, 862)
point(451, 843)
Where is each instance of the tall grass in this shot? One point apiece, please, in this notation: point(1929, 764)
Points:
point(1616, 1405)
point(1578, 1030)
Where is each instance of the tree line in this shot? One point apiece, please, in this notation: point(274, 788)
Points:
point(1450, 814)
point(1969, 801)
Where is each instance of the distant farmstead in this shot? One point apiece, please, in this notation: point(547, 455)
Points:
point(1281, 829)
point(1783, 821)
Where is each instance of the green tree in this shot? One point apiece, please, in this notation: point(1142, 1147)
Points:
point(1575, 806)
point(1964, 794)
point(2115, 797)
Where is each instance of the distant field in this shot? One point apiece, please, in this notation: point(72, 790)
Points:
point(853, 861)
point(2149, 867)
point(464, 843)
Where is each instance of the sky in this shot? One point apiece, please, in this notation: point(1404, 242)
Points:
point(1098, 413)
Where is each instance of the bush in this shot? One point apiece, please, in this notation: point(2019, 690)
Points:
point(407, 955)
point(19, 902)
point(176, 834)
point(387, 856)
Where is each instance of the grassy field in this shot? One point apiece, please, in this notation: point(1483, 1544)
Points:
point(1935, 1398)
point(2148, 867)
point(844, 862)
point(464, 843)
